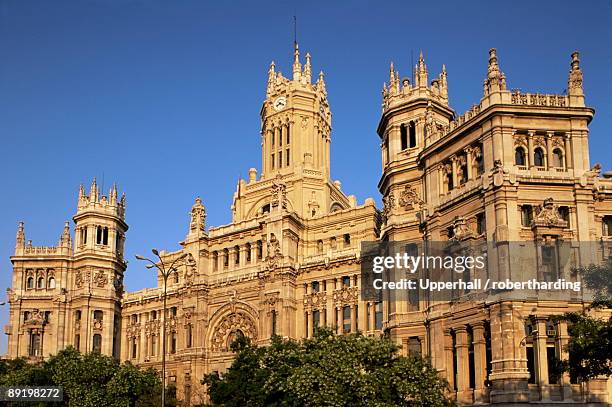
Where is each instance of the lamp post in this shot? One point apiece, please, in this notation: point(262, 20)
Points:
point(165, 272)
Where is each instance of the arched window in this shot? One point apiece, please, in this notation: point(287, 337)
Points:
point(41, 282)
point(607, 225)
point(34, 344)
point(51, 283)
point(233, 336)
point(189, 336)
point(173, 342)
point(99, 235)
point(449, 181)
point(175, 277)
point(411, 135)
point(558, 160)
point(97, 343)
point(105, 236)
point(236, 255)
point(526, 215)
point(538, 157)
point(30, 283)
point(519, 156)
point(215, 259)
point(404, 136)
point(464, 174)
point(248, 252)
point(225, 258)
point(259, 250)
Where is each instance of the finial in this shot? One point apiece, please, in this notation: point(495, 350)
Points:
point(575, 60)
point(65, 237)
point(321, 82)
point(297, 66)
point(308, 69)
point(444, 68)
point(20, 239)
point(93, 191)
point(575, 79)
point(496, 80)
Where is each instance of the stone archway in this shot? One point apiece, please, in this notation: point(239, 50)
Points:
point(230, 326)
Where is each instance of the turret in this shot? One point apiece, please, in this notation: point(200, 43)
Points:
point(100, 223)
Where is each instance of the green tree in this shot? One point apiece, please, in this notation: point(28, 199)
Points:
point(335, 370)
point(590, 343)
point(88, 380)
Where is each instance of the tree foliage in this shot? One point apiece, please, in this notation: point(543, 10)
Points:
point(87, 380)
point(331, 370)
point(590, 343)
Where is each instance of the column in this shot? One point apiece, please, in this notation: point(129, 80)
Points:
point(448, 350)
point(541, 358)
point(566, 387)
point(530, 148)
point(310, 323)
point(568, 155)
point(353, 317)
point(468, 156)
point(549, 148)
point(454, 161)
point(339, 320)
point(480, 362)
point(441, 180)
point(463, 365)
point(372, 316)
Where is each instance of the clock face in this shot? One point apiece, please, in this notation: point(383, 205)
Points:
point(280, 103)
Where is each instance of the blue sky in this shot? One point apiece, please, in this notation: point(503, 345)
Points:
point(164, 97)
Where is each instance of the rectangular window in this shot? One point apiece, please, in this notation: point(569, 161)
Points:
point(346, 319)
point(280, 159)
point(346, 281)
point(287, 158)
point(316, 319)
point(481, 224)
point(526, 215)
point(315, 286)
point(404, 136)
point(272, 161)
point(378, 316)
point(173, 343)
point(189, 336)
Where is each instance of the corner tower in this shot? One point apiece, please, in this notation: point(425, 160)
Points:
point(295, 121)
point(413, 114)
point(99, 267)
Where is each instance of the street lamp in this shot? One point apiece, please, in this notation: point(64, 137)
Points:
point(165, 272)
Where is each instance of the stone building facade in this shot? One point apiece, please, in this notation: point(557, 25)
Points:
point(515, 167)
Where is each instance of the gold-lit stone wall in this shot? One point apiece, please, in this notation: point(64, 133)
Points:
point(515, 167)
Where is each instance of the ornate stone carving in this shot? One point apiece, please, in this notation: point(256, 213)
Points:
point(37, 318)
point(100, 279)
point(82, 277)
point(279, 192)
point(388, 205)
point(97, 325)
point(232, 324)
point(461, 231)
point(409, 199)
point(274, 256)
point(346, 296)
point(548, 215)
point(198, 216)
point(190, 269)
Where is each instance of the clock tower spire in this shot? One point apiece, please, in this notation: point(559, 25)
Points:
point(296, 121)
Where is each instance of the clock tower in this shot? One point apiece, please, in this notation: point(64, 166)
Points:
point(296, 121)
point(295, 144)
